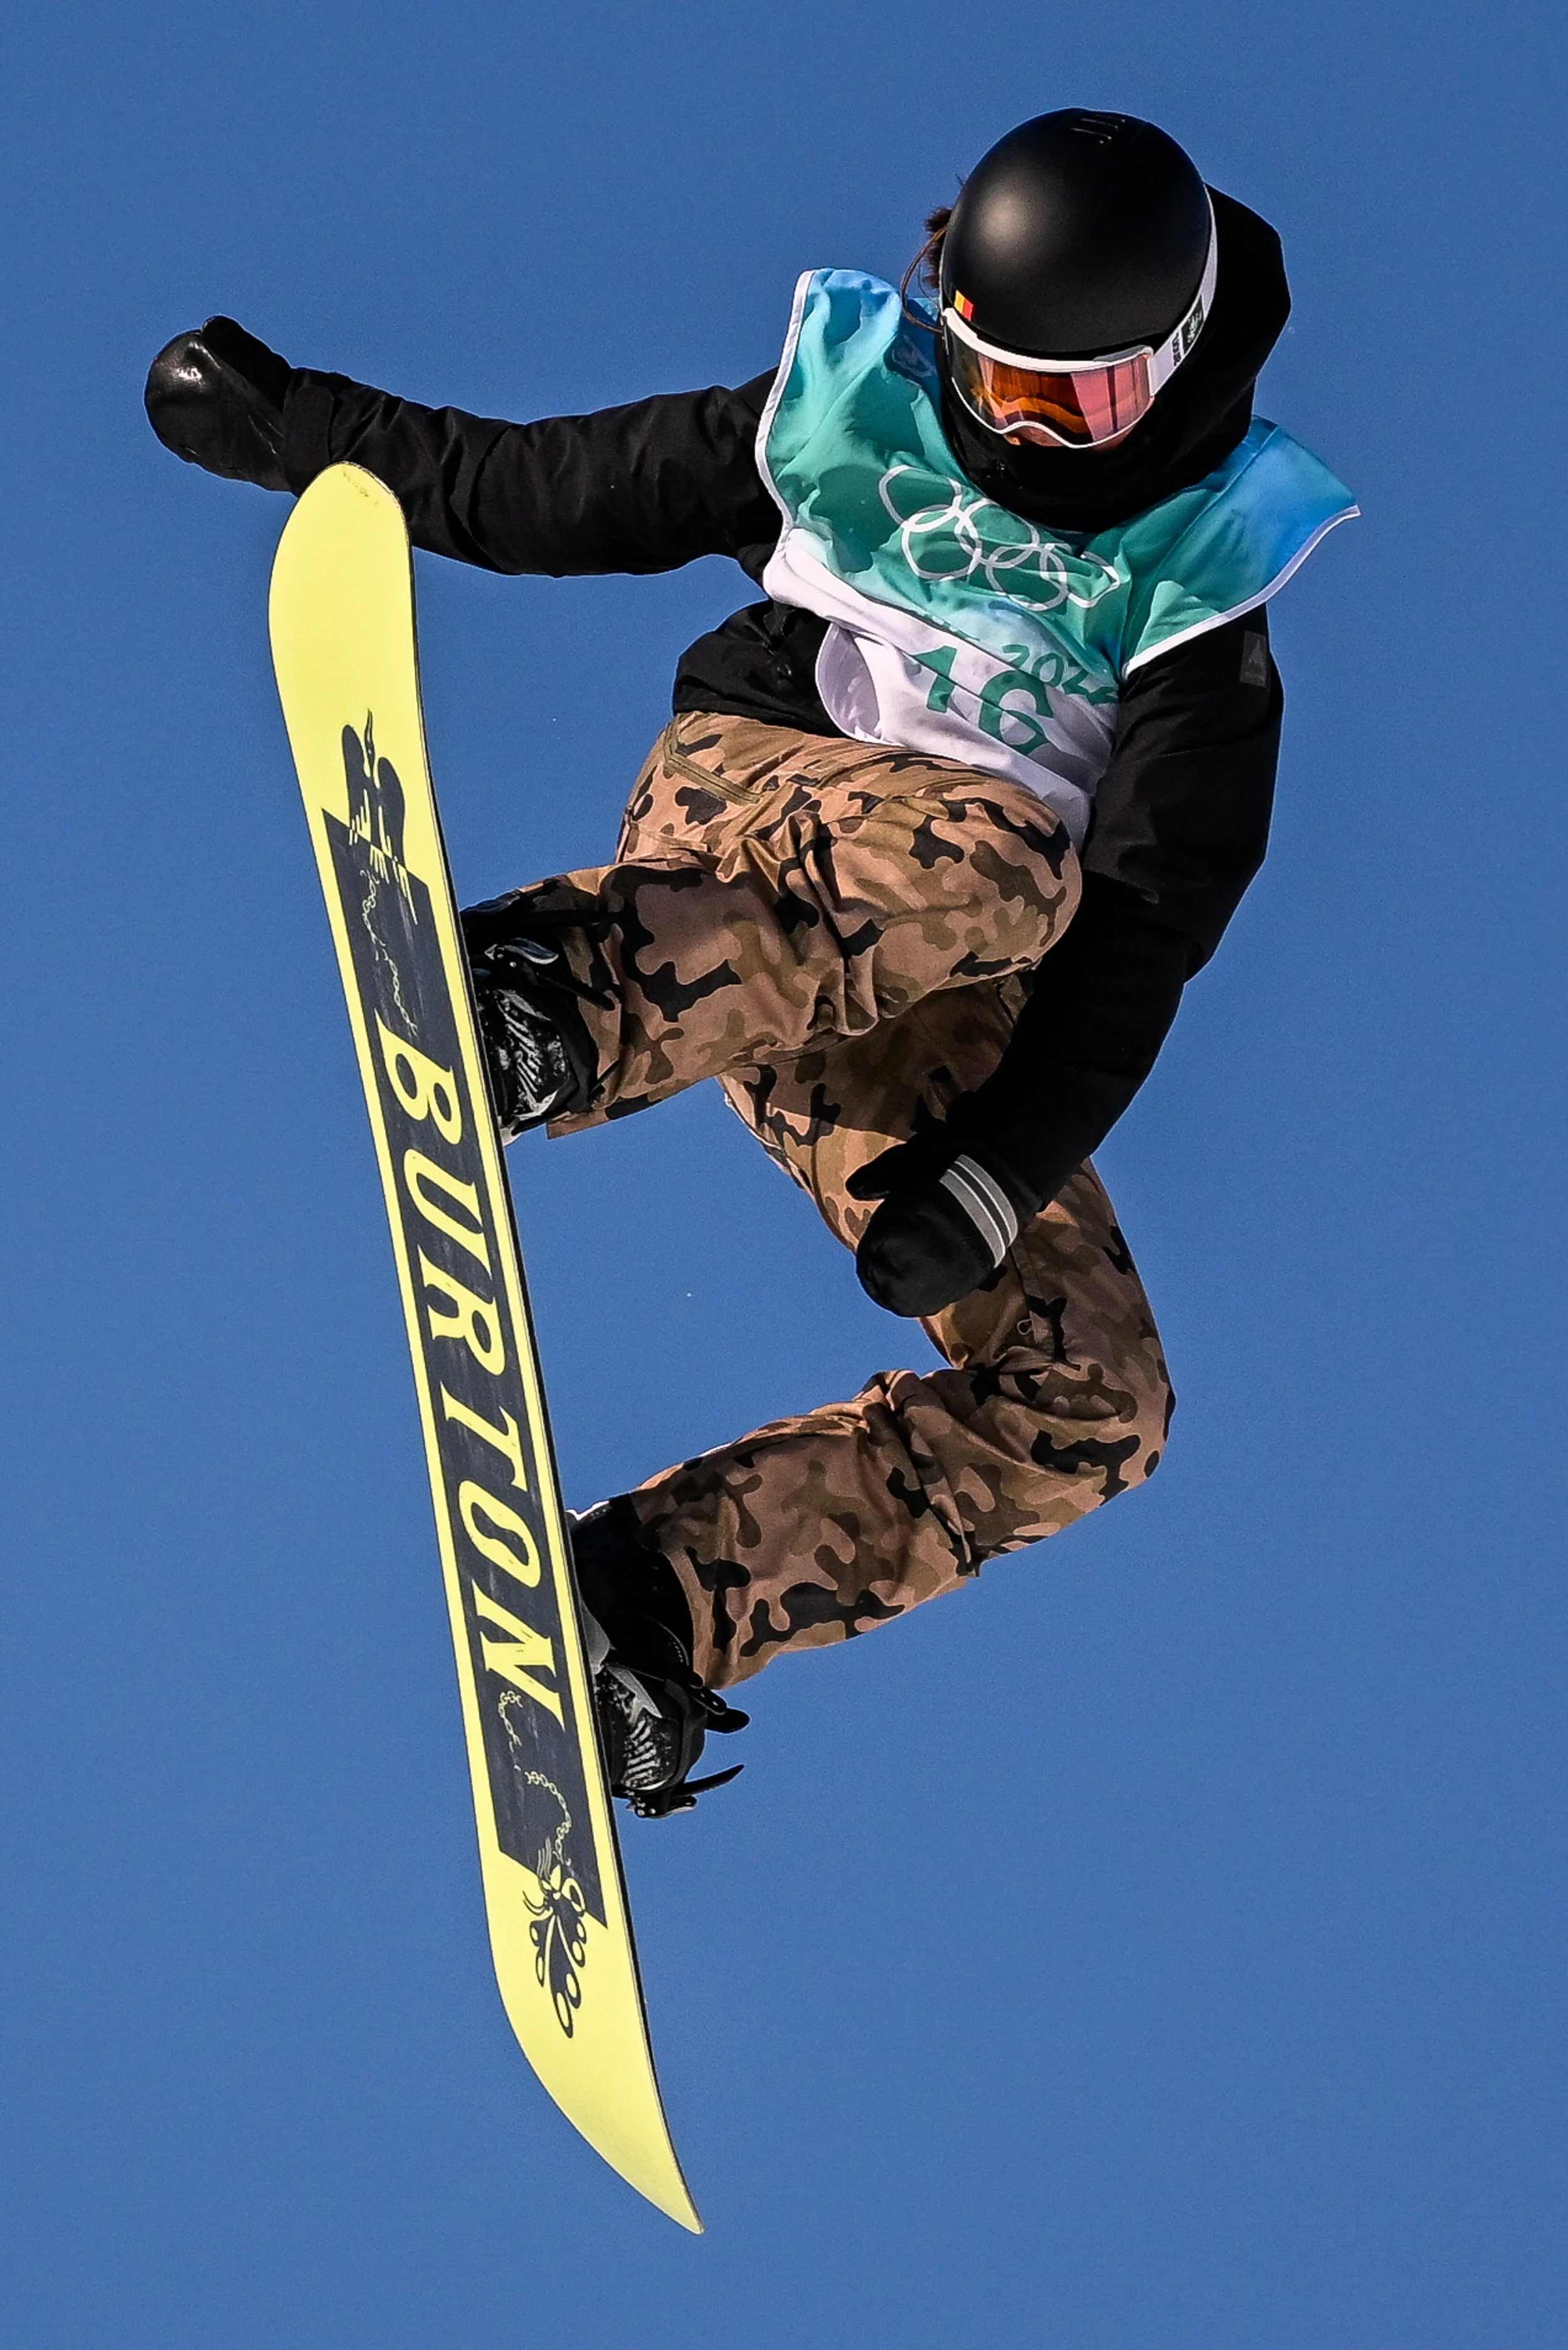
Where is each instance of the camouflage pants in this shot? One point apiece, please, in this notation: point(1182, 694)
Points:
point(841, 936)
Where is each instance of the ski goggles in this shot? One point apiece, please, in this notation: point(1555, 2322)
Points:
point(1068, 403)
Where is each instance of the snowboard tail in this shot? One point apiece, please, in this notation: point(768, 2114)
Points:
point(344, 649)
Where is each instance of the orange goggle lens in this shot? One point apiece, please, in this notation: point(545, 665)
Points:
point(1075, 406)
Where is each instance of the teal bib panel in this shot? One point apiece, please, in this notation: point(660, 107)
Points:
point(957, 626)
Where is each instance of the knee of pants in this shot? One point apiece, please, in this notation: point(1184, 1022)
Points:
point(1156, 1408)
point(1085, 1433)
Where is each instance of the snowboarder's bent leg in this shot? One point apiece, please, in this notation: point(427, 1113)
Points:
point(1056, 1398)
point(772, 888)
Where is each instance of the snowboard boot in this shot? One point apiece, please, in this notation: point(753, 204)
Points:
point(541, 1057)
point(654, 1713)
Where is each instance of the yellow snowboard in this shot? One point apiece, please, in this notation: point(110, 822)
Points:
point(343, 646)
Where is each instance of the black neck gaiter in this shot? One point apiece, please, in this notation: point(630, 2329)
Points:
point(1193, 426)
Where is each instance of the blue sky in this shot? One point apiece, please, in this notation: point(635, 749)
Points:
point(1159, 1948)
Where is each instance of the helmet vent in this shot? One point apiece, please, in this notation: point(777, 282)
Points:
point(1102, 128)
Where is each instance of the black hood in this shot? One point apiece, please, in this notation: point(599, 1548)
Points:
point(1198, 418)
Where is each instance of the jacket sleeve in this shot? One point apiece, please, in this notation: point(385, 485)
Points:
point(1179, 827)
point(641, 488)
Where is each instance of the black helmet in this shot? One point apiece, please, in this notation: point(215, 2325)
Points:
point(1080, 237)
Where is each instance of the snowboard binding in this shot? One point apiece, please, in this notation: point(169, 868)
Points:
point(537, 1042)
point(654, 1725)
point(654, 1712)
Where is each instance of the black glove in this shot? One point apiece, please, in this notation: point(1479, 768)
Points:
point(215, 397)
point(948, 1218)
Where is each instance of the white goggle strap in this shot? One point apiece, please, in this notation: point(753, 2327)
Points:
point(1164, 362)
point(985, 1204)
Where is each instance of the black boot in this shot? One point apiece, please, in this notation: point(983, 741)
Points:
point(654, 1712)
point(541, 1057)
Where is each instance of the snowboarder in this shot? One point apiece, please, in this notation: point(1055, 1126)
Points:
point(918, 870)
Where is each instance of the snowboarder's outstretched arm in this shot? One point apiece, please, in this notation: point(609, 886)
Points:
point(641, 488)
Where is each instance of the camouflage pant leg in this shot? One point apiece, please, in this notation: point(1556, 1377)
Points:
point(1056, 1396)
point(774, 887)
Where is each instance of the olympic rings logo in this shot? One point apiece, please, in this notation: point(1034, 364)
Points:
point(967, 536)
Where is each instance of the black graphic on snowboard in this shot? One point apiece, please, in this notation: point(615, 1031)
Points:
point(432, 1125)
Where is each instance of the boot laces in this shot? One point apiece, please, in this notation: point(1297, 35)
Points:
point(649, 1747)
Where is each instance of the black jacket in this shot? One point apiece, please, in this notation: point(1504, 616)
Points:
point(1181, 817)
